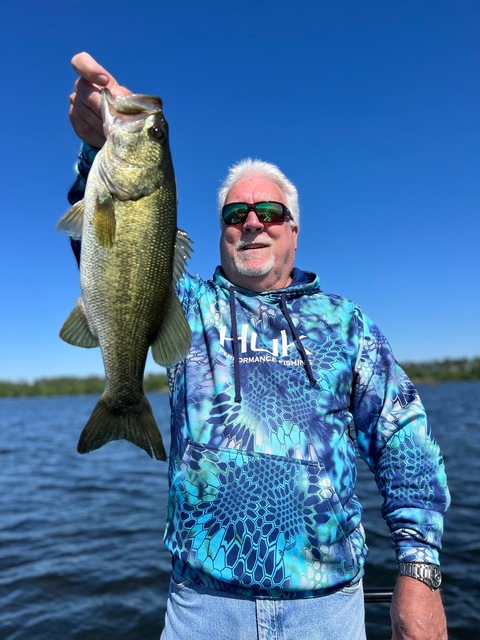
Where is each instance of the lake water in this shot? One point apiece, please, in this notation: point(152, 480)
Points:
point(81, 551)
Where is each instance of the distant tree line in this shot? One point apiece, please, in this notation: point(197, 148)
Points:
point(442, 370)
point(434, 371)
point(72, 386)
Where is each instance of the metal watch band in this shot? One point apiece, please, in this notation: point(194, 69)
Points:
point(430, 574)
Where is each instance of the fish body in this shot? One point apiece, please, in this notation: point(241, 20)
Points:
point(131, 260)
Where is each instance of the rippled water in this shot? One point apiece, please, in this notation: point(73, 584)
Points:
point(81, 551)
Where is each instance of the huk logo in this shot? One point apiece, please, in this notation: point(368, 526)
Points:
point(280, 347)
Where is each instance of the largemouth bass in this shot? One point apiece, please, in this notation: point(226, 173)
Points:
point(132, 256)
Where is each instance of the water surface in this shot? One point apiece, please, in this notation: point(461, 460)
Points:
point(81, 551)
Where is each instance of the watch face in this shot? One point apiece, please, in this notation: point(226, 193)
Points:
point(436, 577)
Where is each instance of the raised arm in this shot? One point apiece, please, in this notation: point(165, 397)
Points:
point(85, 114)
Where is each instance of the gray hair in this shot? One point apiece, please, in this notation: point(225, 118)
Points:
point(248, 167)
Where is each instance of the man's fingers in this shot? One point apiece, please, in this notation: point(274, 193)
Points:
point(85, 117)
point(95, 75)
point(84, 112)
point(88, 68)
point(85, 102)
point(86, 95)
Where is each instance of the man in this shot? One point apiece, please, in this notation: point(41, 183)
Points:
point(263, 524)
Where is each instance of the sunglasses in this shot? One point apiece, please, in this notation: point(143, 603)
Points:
point(267, 212)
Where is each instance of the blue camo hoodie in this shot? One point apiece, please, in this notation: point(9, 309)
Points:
point(277, 394)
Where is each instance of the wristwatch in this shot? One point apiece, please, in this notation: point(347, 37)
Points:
point(430, 574)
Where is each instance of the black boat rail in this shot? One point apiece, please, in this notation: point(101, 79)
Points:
point(377, 595)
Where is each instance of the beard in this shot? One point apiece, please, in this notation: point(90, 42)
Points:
point(247, 269)
point(247, 264)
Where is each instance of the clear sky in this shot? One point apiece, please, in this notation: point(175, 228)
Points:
point(371, 107)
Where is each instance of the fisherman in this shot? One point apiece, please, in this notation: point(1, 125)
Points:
point(263, 523)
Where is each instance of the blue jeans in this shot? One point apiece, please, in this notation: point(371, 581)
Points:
point(196, 613)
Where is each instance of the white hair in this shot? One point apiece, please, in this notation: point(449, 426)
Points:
point(248, 167)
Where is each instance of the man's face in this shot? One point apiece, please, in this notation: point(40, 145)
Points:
point(255, 255)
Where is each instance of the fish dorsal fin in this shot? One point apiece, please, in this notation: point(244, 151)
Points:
point(183, 249)
point(104, 222)
point(72, 222)
point(76, 331)
point(173, 341)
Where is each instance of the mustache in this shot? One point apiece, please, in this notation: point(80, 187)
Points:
point(252, 239)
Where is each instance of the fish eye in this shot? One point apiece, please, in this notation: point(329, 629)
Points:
point(156, 133)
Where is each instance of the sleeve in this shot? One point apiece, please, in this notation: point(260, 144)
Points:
point(189, 289)
point(395, 439)
point(84, 164)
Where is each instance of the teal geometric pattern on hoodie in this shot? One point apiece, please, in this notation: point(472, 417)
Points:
point(262, 497)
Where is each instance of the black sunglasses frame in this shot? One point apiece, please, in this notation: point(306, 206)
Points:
point(260, 215)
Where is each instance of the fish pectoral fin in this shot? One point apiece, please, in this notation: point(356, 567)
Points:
point(76, 331)
point(183, 249)
point(72, 222)
point(104, 223)
point(174, 338)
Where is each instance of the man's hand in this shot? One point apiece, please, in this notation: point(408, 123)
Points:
point(417, 612)
point(85, 111)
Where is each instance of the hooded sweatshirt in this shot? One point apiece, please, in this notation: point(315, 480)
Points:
point(278, 393)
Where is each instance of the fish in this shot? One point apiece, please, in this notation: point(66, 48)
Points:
point(132, 258)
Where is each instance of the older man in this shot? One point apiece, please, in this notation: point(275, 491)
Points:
point(263, 523)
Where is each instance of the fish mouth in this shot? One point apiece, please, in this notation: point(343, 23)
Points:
point(137, 103)
point(132, 104)
point(131, 110)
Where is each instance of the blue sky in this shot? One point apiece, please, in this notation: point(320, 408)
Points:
point(370, 107)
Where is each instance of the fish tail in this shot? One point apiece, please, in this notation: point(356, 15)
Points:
point(135, 424)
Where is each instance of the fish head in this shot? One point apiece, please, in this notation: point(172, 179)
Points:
point(135, 128)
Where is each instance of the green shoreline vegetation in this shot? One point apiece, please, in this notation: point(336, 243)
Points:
point(67, 386)
point(434, 371)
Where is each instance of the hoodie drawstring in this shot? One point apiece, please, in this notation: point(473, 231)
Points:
point(236, 354)
point(298, 342)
